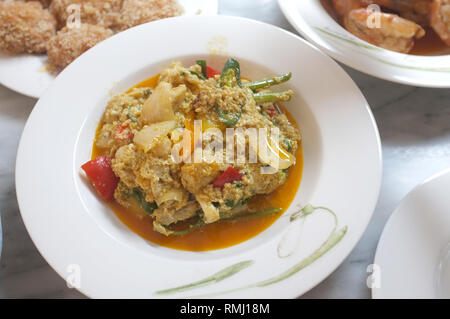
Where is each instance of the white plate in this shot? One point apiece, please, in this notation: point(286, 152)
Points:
point(26, 73)
point(413, 255)
point(312, 21)
point(69, 224)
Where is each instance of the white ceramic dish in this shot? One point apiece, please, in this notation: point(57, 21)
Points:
point(28, 75)
point(312, 21)
point(413, 254)
point(70, 225)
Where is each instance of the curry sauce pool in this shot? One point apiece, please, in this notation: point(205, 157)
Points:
point(240, 216)
point(218, 235)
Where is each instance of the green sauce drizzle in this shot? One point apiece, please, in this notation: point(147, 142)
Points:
point(218, 276)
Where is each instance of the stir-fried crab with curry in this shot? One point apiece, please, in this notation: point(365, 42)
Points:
point(141, 128)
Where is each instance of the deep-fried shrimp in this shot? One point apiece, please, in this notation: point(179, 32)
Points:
point(440, 19)
point(135, 12)
point(97, 12)
point(25, 27)
point(395, 33)
point(414, 10)
point(68, 44)
point(343, 7)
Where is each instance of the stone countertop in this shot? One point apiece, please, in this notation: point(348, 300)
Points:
point(414, 124)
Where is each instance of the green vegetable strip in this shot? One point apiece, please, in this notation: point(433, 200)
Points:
point(202, 63)
point(218, 276)
point(329, 243)
point(288, 144)
point(139, 196)
point(263, 97)
point(265, 83)
point(191, 228)
point(201, 223)
point(200, 76)
point(261, 213)
point(240, 202)
point(231, 70)
point(228, 118)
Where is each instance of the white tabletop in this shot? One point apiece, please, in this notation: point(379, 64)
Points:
point(414, 125)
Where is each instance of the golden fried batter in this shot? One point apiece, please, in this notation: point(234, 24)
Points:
point(98, 12)
point(135, 12)
point(25, 27)
point(440, 19)
point(45, 3)
point(68, 44)
point(396, 33)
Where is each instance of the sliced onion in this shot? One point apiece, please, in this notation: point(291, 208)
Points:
point(159, 105)
point(172, 194)
point(210, 212)
point(275, 155)
point(148, 136)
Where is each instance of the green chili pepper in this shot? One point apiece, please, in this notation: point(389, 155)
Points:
point(265, 83)
point(288, 144)
point(273, 96)
point(200, 76)
point(202, 63)
point(231, 70)
point(228, 118)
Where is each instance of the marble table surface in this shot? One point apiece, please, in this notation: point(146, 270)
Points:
point(414, 124)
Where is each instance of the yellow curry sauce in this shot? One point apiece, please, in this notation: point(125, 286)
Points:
point(221, 234)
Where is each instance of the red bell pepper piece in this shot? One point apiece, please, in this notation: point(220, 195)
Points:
point(123, 132)
point(229, 176)
point(100, 173)
point(210, 72)
point(272, 112)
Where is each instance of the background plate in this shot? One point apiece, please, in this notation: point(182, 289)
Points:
point(26, 73)
point(413, 254)
point(312, 21)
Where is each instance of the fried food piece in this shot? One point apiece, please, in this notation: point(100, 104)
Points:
point(343, 7)
point(45, 3)
point(68, 44)
point(414, 10)
point(440, 19)
point(135, 12)
point(25, 27)
point(395, 33)
point(97, 12)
